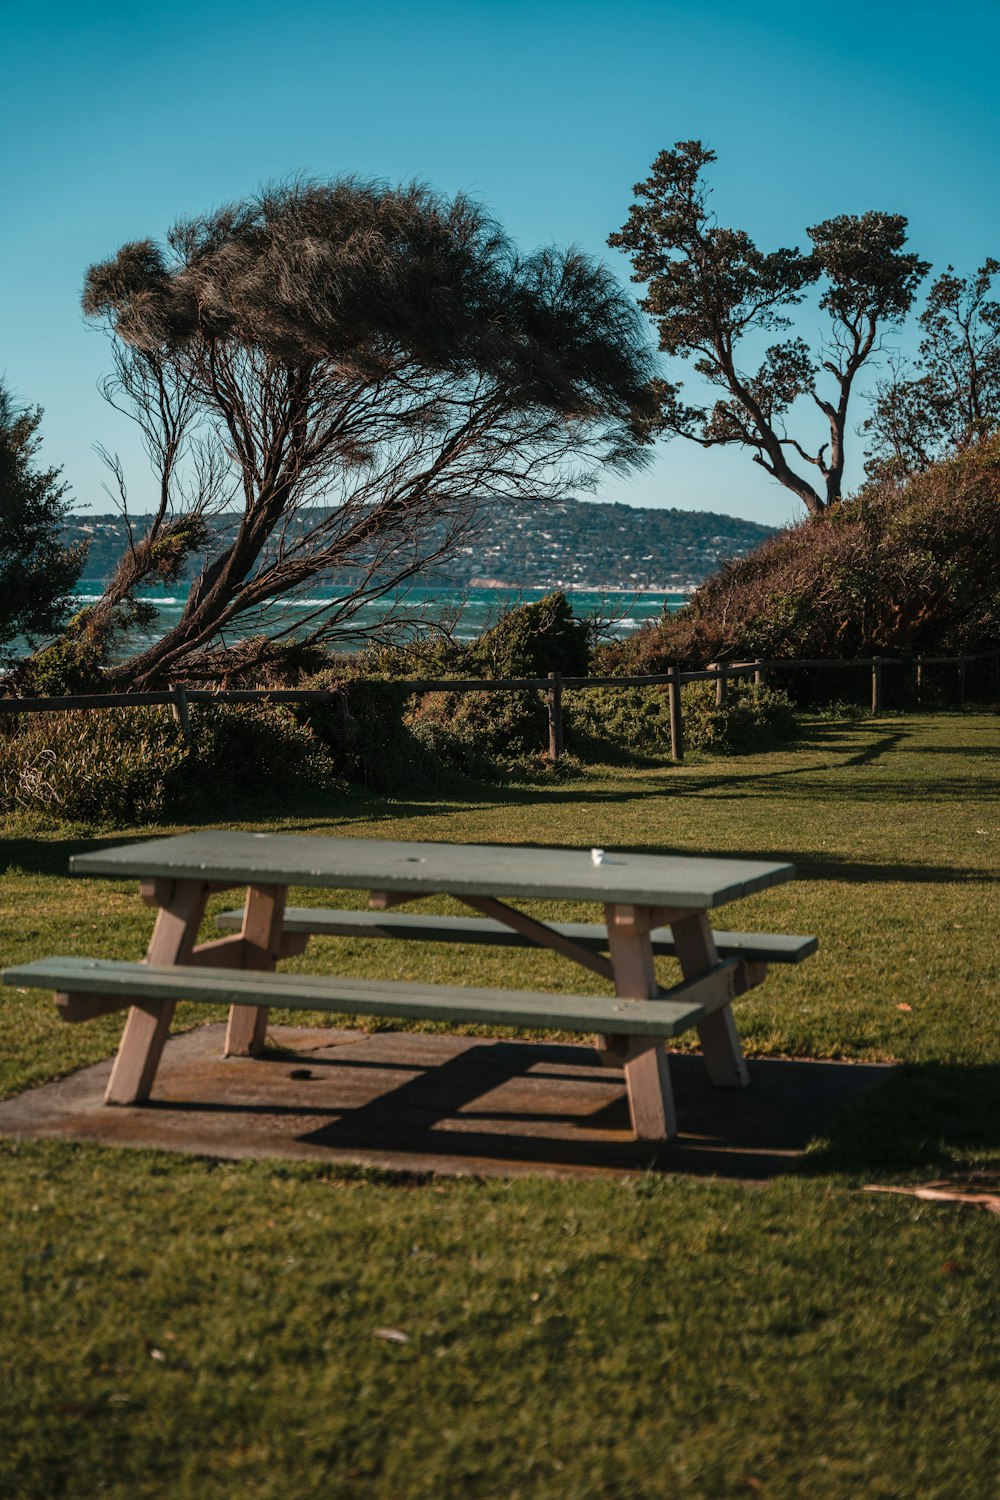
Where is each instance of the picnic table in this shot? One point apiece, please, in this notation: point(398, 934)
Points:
point(652, 904)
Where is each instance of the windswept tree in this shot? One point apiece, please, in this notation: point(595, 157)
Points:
point(950, 398)
point(37, 570)
point(711, 291)
point(343, 378)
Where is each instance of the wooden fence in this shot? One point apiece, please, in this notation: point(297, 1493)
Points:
point(554, 685)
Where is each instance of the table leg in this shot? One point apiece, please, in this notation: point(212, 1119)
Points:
point(694, 945)
point(148, 1024)
point(263, 914)
point(647, 1075)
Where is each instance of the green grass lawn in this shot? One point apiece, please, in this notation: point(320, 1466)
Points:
point(179, 1327)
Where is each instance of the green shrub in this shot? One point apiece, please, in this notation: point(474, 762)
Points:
point(432, 655)
point(615, 724)
point(387, 737)
point(246, 750)
point(752, 718)
point(531, 641)
point(132, 765)
point(366, 731)
point(72, 664)
point(611, 724)
point(486, 735)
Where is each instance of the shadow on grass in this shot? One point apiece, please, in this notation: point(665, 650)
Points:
point(922, 1118)
point(875, 750)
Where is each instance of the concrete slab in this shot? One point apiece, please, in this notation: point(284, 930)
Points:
point(415, 1102)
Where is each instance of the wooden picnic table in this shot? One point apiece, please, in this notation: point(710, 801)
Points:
point(652, 904)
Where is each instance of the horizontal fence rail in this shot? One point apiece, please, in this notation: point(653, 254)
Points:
point(179, 698)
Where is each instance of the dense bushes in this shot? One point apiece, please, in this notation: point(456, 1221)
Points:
point(894, 571)
point(532, 641)
point(112, 766)
point(366, 732)
point(752, 718)
point(615, 724)
point(389, 738)
point(132, 765)
point(505, 733)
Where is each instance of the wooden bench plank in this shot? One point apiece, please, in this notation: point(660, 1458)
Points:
point(674, 1011)
point(758, 947)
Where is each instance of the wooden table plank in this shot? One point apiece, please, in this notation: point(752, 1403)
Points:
point(501, 871)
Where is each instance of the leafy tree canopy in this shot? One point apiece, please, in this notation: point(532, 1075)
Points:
point(709, 288)
point(37, 572)
point(950, 399)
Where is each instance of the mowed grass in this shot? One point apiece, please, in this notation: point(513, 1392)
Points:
point(181, 1327)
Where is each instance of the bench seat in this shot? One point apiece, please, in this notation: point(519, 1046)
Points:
point(88, 987)
point(755, 947)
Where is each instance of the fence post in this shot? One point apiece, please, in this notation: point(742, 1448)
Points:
point(759, 675)
point(554, 700)
point(676, 720)
point(721, 683)
point(179, 709)
point(876, 684)
point(961, 680)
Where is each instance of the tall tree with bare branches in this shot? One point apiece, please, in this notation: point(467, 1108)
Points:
point(341, 378)
point(710, 289)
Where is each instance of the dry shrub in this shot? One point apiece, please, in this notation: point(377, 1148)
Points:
point(894, 571)
point(111, 766)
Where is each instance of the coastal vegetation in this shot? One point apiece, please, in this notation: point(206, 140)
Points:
point(948, 399)
point(379, 729)
point(902, 570)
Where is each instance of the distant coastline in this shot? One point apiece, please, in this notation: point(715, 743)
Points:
point(580, 588)
point(579, 546)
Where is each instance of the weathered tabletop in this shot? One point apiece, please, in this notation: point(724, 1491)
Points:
point(504, 870)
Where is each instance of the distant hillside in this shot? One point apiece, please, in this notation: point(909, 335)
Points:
point(581, 544)
point(593, 545)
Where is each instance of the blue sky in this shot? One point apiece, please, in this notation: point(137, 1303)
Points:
point(116, 119)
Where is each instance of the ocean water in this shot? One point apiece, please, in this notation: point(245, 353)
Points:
point(468, 612)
